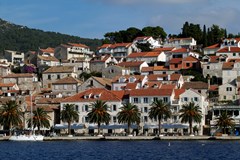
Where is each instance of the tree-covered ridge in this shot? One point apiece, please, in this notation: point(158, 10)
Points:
point(22, 38)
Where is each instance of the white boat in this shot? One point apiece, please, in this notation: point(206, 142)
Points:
point(30, 137)
point(26, 138)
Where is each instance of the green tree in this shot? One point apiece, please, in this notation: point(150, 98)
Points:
point(190, 113)
point(10, 115)
point(155, 32)
point(159, 110)
point(40, 119)
point(99, 113)
point(129, 114)
point(69, 115)
point(224, 121)
point(204, 37)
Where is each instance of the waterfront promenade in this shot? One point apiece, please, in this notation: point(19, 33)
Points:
point(60, 138)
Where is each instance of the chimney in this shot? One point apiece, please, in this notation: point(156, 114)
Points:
point(229, 48)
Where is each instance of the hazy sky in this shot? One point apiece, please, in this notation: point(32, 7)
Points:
point(94, 18)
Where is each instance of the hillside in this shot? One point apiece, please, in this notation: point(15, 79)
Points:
point(22, 38)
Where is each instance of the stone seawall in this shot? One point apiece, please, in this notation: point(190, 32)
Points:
point(118, 138)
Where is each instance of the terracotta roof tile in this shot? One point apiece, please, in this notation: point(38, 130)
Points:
point(215, 46)
point(151, 92)
point(228, 65)
point(78, 45)
point(229, 49)
point(178, 92)
point(175, 61)
point(190, 59)
point(131, 64)
point(19, 75)
point(213, 88)
point(67, 80)
point(147, 69)
point(48, 58)
point(180, 50)
point(7, 84)
point(103, 81)
point(139, 78)
point(131, 86)
point(136, 54)
point(160, 68)
point(48, 50)
point(165, 49)
point(195, 85)
point(142, 38)
point(104, 95)
point(60, 69)
point(168, 86)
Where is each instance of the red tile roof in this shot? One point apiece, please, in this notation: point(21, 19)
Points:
point(178, 92)
point(126, 45)
point(228, 65)
point(104, 95)
point(155, 77)
point(131, 64)
point(48, 58)
point(165, 49)
point(139, 78)
point(48, 50)
point(67, 80)
point(147, 69)
point(180, 50)
point(168, 86)
point(160, 68)
point(131, 86)
point(229, 49)
point(7, 84)
point(151, 92)
point(19, 75)
point(214, 59)
point(136, 54)
point(213, 88)
point(152, 85)
point(190, 59)
point(175, 61)
point(215, 46)
point(78, 45)
point(60, 69)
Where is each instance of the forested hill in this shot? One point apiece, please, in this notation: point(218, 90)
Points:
point(22, 38)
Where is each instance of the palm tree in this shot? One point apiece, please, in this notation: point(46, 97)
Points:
point(224, 121)
point(190, 113)
point(99, 113)
point(10, 114)
point(40, 119)
point(69, 115)
point(129, 114)
point(159, 110)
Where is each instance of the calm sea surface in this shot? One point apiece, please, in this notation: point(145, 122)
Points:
point(120, 150)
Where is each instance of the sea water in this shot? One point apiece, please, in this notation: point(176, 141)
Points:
point(120, 150)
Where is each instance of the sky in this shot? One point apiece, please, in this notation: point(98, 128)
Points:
point(94, 18)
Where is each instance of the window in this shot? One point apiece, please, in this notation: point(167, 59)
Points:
point(91, 82)
point(224, 97)
point(64, 86)
point(114, 119)
point(49, 76)
point(145, 100)
point(188, 64)
point(145, 109)
point(86, 108)
point(145, 119)
point(56, 87)
point(86, 119)
point(185, 99)
point(114, 107)
point(176, 65)
point(135, 100)
point(229, 88)
point(76, 107)
point(195, 99)
point(234, 54)
point(155, 98)
point(208, 67)
point(165, 99)
point(58, 76)
point(164, 73)
point(80, 68)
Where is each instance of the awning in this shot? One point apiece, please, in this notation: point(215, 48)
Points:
point(165, 126)
point(65, 126)
point(112, 126)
